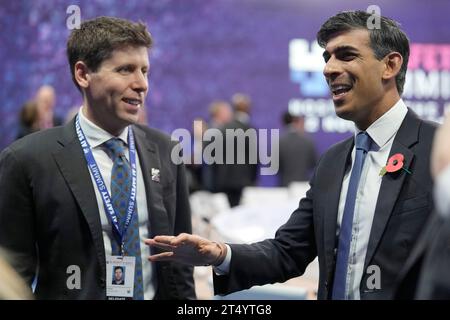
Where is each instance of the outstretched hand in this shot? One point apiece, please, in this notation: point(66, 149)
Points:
point(189, 249)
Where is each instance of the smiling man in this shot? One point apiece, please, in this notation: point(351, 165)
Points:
point(361, 223)
point(83, 196)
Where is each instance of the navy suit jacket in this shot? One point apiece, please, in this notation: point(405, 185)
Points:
point(49, 214)
point(404, 204)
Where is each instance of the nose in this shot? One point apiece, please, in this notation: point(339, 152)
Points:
point(332, 69)
point(140, 82)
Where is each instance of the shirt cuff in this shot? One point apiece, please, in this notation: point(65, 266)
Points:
point(223, 268)
point(441, 192)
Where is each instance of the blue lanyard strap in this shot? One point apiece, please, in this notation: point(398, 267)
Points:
point(101, 187)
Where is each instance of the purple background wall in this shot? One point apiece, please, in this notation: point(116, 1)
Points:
point(204, 50)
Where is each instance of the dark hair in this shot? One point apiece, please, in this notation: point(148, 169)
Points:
point(96, 39)
point(287, 118)
point(384, 40)
point(28, 114)
point(118, 267)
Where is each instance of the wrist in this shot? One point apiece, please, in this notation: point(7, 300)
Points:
point(222, 254)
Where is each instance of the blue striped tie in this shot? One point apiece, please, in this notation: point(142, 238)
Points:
point(120, 194)
point(363, 142)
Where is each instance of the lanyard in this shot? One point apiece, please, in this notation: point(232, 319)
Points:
point(93, 167)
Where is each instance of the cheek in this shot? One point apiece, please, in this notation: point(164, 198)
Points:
point(101, 90)
point(109, 87)
point(369, 83)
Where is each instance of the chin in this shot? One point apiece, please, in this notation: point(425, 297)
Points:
point(342, 113)
point(129, 118)
point(346, 110)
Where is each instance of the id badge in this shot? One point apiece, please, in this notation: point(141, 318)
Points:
point(120, 276)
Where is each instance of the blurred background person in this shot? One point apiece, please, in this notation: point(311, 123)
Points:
point(220, 113)
point(46, 100)
point(28, 119)
point(298, 154)
point(195, 169)
point(232, 178)
point(38, 114)
point(242, 108)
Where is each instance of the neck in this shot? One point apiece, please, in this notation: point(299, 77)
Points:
point(388, 101)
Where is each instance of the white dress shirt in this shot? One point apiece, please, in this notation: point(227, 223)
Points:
point(382, 132)
point(96, 136)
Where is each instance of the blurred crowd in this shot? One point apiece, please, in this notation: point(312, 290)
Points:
point(297, 152)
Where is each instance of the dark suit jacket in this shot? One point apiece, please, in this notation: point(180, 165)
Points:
point(297, 157)
point(403, 205)
point(49, 214)
point(236, 176)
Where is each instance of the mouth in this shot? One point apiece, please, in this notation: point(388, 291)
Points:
point(133, 102)
point(340, 90)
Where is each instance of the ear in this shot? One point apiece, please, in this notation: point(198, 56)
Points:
point(393, 63)
point(81, 74)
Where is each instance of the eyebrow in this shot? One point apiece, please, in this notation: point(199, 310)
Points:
point(337, 50)
point(131, 65)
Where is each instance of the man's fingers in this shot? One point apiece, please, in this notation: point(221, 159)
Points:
point(158, 244)
point(165, 256)
point(181, 239)
point(163, 239)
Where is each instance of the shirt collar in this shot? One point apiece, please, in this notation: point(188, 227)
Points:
point(95, 135)
point(385, 127)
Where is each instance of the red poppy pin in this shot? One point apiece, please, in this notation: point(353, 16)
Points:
point(394, 164)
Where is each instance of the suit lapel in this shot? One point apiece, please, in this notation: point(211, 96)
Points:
point(149, 159)
point(72, 165)
point(392, 183)
point(336, 169)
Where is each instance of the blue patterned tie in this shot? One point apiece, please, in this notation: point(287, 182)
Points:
point(120, 194)
point(363, 142)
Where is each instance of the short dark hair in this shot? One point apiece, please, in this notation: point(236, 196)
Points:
point(28, 114)
point(96, 39)
point(384, 40)
point(287, 118)
point(118, 268)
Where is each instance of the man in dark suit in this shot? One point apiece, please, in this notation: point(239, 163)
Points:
point(82, 195)
point(232, 178)
point(367, 204)
point(297, 151)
